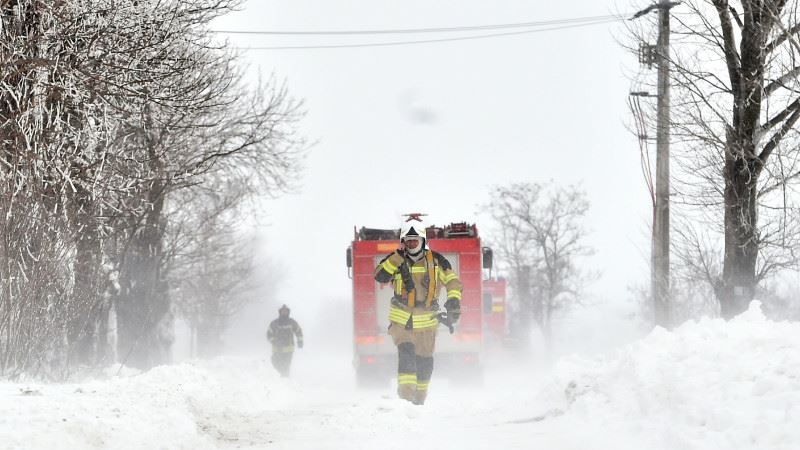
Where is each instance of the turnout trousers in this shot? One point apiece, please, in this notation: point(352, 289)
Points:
point(414, 361)
point(282, 362)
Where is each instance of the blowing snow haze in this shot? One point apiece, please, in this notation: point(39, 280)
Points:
point(173, 173)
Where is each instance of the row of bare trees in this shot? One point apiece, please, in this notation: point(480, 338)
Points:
point(540, 239)
point(736, 147)
point(128, 145)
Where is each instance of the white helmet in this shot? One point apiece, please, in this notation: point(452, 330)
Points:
point(414, 229)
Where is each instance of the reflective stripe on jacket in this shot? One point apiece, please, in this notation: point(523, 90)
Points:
point(281, 334)
point(421, 318)
point(412, 284)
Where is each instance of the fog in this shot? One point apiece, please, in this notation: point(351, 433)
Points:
point(431, 128)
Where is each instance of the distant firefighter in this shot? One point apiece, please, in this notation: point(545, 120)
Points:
point(281, 334)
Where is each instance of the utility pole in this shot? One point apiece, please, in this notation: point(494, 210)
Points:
point(661, 231)
point(660, 257)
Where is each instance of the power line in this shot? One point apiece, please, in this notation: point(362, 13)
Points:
point(427, 30)
point(429, 41)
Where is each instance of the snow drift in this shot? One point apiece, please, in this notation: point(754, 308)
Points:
point(709, 384)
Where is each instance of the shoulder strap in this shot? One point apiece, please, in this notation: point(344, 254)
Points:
point(442, 261)
point(431, 278)
point(408, 282)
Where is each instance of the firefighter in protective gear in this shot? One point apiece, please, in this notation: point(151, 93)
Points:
point(417, 274)
point(281, 334)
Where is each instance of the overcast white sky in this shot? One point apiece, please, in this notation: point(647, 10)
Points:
point(431, 127)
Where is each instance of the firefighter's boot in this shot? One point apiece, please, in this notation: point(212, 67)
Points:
point(424, 371)
point(421, 394)
point(406, 371)
point(407, 386)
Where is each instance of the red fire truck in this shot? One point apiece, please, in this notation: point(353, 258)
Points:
point(494, 311)
point(375, 357)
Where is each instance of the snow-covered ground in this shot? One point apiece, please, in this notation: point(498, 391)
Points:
point(707, 385)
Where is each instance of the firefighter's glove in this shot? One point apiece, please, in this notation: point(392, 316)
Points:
point(453, 307)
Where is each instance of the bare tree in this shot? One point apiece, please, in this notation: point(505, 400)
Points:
point(211, 270)
point(246, 140)
point(540, 236)
point(735, 106)
point(109, 109)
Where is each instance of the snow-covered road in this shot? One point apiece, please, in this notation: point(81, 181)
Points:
point(241, 403)
point(707, 385)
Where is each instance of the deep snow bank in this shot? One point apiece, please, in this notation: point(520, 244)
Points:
point(708, 384)
point(164, 408)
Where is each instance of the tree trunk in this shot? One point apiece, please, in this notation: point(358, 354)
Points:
point(143, 307)
point(741, 237)
point(103, 353)
point(86, 299)
point(145, 320)
point(743, 164)
point(547, 327)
